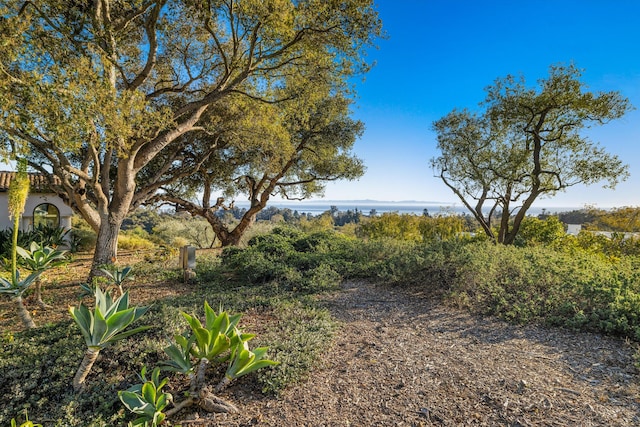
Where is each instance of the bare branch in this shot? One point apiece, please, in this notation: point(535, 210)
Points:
point(150, 29)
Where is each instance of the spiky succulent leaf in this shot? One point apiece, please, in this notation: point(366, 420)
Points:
point(40, 258)
point(133, 401)
point(193, 321)
point(233, 321)
point(5, 285)
point(180, 355)
point(108, 321)
point(128, 333)
point(83, 318)
point(180, 362)
point(149, 392)
point(210, 315)
point(245, 361)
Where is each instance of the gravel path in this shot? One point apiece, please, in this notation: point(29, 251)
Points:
point(402, 358)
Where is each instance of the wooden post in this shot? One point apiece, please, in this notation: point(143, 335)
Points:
point(188, 262)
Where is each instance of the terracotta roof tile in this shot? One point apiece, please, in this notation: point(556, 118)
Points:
point(37, 181)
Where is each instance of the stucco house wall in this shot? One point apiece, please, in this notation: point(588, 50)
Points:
point(38, 195)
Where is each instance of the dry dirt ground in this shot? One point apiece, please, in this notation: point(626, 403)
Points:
point(61, 290)
point(402, 358)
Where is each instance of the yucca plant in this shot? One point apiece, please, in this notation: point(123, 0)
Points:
point(147, 400)
point(102, 327)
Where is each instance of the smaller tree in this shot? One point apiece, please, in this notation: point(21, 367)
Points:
point(38, 259)
point(290, 149)
point(526, 144)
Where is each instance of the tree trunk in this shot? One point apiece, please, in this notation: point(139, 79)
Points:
point(24, 315)
point(88, 360)
point(233, 237)
point(37, 294)
point(106, 251)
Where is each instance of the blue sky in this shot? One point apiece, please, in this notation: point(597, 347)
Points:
point(441, 54)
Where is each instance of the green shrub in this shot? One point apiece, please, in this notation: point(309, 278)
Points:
point(84, 235)
point(392, 225)
point(534, 231)
point(134, 242)
point(306, 263)
point(297, 340)
point(35, 374)
point(615, 246)
point(412, 228)
point(578, 289)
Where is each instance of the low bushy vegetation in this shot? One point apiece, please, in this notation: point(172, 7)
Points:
point(575, 289)
point(580, 282)
point(37, 366)
point(44, 236)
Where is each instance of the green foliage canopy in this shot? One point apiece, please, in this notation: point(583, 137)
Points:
point(106, 91)
point(526, 144)
point(291, 149)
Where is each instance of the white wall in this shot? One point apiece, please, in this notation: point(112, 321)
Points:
point(34, 200)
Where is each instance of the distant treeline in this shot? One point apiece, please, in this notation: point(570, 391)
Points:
point(624, 219)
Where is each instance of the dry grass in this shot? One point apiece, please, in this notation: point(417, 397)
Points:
point(61, 290)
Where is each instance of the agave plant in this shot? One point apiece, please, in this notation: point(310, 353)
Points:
point(218, 340)
point(118, 276)
point(102, 327)
point(218, 335)
point(147, 400)
point(243, 362)
point(41, 258)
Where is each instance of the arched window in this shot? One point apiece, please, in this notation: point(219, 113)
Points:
point(46, 215)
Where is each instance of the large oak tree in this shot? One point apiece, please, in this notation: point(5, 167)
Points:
point(290, 149)
point(526, 144)
point(103, 91)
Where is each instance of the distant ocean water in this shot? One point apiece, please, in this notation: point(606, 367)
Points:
point(366, 206)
